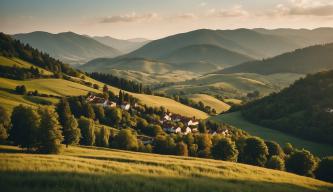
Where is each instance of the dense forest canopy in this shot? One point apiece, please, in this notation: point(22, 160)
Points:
point(305, 109)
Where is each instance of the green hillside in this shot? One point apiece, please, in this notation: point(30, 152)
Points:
point(100, 169)
point(233, 85)
point(68, 47)
point(211, 101)
point(237, 120)
point(304, 109)
point(307, 60)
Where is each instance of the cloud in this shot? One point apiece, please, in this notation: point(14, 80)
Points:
point(202, 4)
point(132, 17)
point(306, 7)
point(235, 11)
point(186, 16)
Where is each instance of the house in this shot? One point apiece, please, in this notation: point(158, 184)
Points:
point(167, 118)
point(194, 130)
point(329, 110)
point(192, 123)
point(125, 106)
point(187, 131)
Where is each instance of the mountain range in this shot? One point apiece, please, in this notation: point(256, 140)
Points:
point(125, 46)
point(202, 51)
point(303, 61)
point(68, 47)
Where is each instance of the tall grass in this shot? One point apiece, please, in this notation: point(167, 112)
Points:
point(98, 169)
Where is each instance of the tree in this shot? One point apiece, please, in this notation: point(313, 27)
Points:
point(325, 169)
point(164, 144)
point(99, 112)
point(255, 151)
point(50, 133)
point(193, 150)
point(87, 127)
point(188, 139)
point(21, 89)
point(274, 149)
point(181, 149)
point(141, 124)
point(225, 149)
point(202, 127)
point(4, 124)
point(115, 116)
point(103, 137)
point(126, 140)
point(71, 131)
point(275, 162)
point(204, 143)
point(153, 130)
point(301, 162)
point(88, 111)
point(25, 128)
point(288, 149)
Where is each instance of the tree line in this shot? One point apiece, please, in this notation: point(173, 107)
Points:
point(121, 83)
point(46, 130)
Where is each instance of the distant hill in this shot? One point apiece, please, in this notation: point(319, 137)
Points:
point(125, 46)
point(203, 51)
point(68, 47)
point(305, 109)
point(307, 60)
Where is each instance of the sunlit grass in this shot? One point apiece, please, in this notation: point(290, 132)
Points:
point(100, 169)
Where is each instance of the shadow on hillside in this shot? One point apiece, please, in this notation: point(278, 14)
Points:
point(64, 181)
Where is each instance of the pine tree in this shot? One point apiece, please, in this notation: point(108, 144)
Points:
point(71, 131)
point(87, 127)
point(50, 132)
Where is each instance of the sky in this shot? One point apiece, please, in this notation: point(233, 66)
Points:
point(153, 19)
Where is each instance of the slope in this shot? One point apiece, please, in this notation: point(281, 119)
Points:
point(211, 101)
point(101, 169)
point(304, 109)
point(68, 47)
point(307, 60)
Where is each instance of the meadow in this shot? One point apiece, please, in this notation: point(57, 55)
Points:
point(238, 121)
point(211, 101)
point(102, 169)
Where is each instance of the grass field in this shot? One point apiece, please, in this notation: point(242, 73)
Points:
point(233, 85)
point(237, 120)
point(61, 87)
point(211, 101)
point(99, 170)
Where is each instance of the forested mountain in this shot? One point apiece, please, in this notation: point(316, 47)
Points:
point(68, 46)
point(14, 48)
point(305, 109)
point(204, 50)
point(307, 60)
point(125, 46)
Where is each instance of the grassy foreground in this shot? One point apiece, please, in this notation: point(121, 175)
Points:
point(98, 169)
point(237, 120)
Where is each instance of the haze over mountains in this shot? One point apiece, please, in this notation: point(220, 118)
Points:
point(204, 50)
point(125, 46)
point(68, 47)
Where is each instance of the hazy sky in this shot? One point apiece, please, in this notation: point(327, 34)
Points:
point(157, 18)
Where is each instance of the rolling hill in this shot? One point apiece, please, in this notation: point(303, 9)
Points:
point(68, 46)
point(211, 101)
point(304, 109)
point(125, 46)
point(302, 61)
point(102, 169)
point(232, 85)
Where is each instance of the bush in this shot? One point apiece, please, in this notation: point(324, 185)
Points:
point(181, 149)
point(325, 169)
point(301, 162)
point(275, 162)
point(126, 140)
point(255, 151)
point(225, 149)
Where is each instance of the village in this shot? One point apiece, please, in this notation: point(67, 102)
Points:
point(168, 121)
